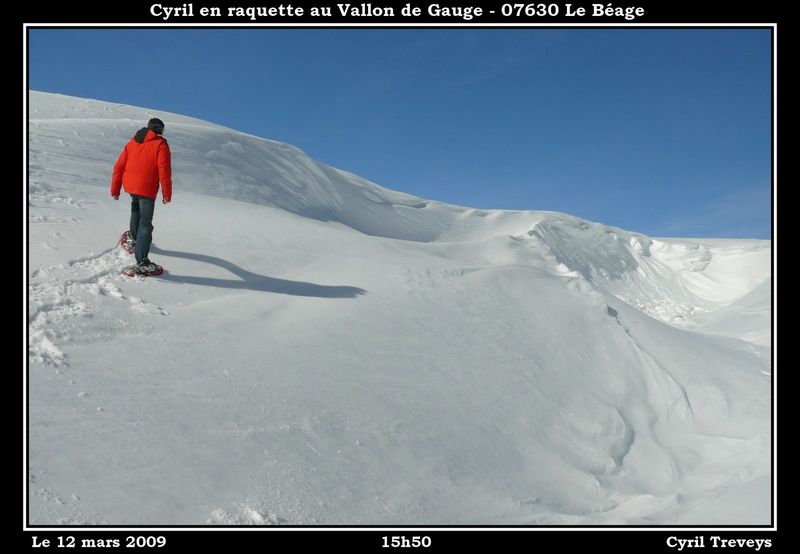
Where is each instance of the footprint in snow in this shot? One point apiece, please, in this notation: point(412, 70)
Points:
point(244, 515)
point(66, 295)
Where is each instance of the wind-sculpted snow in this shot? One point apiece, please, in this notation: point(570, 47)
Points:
point(210, 159)
point(326, 351)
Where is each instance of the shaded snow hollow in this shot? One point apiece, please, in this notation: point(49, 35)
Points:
point(327, 351)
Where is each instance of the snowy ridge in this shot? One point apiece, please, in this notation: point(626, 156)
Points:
point(210, 159)
point(666, 279)
point(325, 350)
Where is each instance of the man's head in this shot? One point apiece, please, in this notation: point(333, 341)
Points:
point(156, 125)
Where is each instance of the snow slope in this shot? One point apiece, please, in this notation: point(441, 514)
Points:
point(327, 351)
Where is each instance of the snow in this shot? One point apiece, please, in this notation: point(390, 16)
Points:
point(323, 350)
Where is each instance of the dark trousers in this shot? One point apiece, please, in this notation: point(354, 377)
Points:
point(142, 209)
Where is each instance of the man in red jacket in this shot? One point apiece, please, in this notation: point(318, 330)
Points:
point(144, 162)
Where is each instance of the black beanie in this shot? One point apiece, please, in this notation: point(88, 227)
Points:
point(156, 125)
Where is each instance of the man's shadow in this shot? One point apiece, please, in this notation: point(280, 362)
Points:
point(252, 281)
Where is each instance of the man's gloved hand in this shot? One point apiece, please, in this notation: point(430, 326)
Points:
point(116, 197)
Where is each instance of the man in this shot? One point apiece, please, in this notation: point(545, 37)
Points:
point(144, 162)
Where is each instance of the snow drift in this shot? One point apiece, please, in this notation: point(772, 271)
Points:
point(328, 351)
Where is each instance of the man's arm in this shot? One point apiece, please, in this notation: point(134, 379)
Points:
point(116, 176)
point(165, 172)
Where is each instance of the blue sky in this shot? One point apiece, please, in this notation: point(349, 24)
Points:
point(661, 131)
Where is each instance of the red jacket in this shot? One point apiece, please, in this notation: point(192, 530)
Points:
point(144, 162)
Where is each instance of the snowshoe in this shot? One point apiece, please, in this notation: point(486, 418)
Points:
point(144, 269)
point(127, 243)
